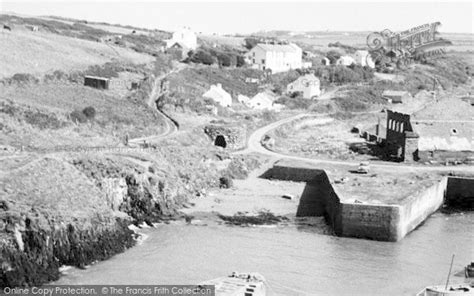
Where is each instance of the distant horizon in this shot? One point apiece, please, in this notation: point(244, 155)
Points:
point(214, 18)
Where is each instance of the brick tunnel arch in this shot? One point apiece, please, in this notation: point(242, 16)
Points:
point(220, 141)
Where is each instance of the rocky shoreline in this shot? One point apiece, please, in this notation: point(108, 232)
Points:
point(44, 251)
point(75, 209)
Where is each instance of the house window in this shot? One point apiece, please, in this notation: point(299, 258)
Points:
point(253, 53)
point(401, 127)
point(454, 131)
point(253, 61)
point(263, 61)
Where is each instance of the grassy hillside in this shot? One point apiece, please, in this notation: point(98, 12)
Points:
point(23, 51)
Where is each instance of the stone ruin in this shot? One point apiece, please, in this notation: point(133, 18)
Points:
point(227, 135)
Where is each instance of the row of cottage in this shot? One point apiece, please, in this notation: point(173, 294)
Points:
point(285, 57)
point(308, 85)
point(274, 57)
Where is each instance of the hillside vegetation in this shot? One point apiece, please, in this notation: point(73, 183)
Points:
point(36, 53)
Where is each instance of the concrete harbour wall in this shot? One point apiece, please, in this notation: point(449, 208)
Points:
point(381, 222)
point(419, 206)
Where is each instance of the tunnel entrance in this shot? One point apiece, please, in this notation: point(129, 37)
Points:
point(220, 141)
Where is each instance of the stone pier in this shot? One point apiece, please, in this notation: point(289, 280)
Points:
point(380, 219)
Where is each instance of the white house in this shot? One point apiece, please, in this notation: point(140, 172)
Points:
point(219, 95)
point(184, 37)
point(263, 101)
point(345, 61)
point(308, 84)
point(276, 57)
point(363, 58)
point(325, 61)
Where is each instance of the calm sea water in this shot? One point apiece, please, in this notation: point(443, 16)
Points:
point(295, 260)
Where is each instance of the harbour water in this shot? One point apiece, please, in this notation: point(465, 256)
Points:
point(295, 260)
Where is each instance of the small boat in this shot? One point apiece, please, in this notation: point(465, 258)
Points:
point(448, 289)
point(239, 284)
point(469, 270)
point(451, 290)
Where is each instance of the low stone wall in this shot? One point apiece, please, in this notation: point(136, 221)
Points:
point(441, 156)
point(371, 221)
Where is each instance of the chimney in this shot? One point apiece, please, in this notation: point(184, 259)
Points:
point(219, 85)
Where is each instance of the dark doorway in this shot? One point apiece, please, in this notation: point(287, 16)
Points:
point(220, 141)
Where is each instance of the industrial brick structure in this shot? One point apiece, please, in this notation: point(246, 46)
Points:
point(440, 133)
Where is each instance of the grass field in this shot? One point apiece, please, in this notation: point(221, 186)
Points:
point(23, 51)
point(40, 116)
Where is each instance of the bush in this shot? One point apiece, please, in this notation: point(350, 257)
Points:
point(294, 103)
point(89, 112)
point(224, 60)
point(202, 57)
point(78, 116)
point(250, 42)
point(333, 56)
point(24, 78)
point(55, 76)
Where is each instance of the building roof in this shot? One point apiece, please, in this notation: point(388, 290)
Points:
point(96, 77)
point(445, 125)
point(450, 109)
point(217, 93)
point(450, 136)
point(264, 96)
point(278, 47)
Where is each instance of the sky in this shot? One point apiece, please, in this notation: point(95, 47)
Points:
point(226, 17)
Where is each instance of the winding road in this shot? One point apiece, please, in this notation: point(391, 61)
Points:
point(170, 126)
point(254, 145)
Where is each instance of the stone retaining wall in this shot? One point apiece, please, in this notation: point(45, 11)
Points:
point(371, 221)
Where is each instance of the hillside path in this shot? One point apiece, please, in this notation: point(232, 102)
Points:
point(170, 126)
